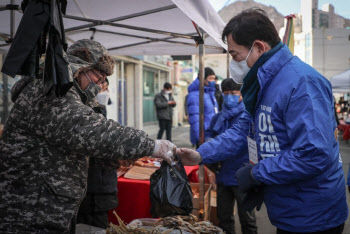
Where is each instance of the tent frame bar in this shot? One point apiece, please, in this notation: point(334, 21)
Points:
point(151, 39)
point(11, 7)
point(143, 13)
point(104, 22)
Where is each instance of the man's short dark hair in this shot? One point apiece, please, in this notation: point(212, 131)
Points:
point(229, 85)
point(167, 85)
point(250, 25)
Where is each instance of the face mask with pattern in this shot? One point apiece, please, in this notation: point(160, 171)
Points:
point(92, 89)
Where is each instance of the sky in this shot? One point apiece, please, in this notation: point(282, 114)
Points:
point(286, 7)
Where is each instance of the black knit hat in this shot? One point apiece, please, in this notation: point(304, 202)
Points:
point(208, 72)
point(229, 85)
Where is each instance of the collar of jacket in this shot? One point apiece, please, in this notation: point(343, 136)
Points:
point(251, 83)
point(272, 66)
point(80, 91)
point(229, 113)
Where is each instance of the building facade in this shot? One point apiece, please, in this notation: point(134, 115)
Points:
point(132, 88)
point(321, 38)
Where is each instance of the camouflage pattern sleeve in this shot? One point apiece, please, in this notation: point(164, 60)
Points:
point(68, 123)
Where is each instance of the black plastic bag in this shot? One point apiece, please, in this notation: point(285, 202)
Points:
point(170, 191)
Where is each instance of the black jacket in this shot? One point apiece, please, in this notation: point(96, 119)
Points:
point(218, 97)
point(164, 110)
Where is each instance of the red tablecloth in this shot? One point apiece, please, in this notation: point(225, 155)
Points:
point(133, 196)
point(345, 128)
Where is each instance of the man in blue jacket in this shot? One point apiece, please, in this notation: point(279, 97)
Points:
point(289, 125)
point(227, 189)
point(210, 105)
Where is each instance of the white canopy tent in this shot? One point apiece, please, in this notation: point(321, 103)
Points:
point(341, 82)
point(134, 27)
point(137, 27)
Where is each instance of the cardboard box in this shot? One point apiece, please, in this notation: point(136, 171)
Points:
point(195, 201)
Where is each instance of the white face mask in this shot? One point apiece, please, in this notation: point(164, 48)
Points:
point(239, 70)
point(102, 98)
point(167, 92)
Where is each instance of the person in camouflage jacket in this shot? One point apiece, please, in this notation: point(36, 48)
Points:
point(47, 142)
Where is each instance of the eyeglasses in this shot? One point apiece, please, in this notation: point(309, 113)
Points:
point(101, 79)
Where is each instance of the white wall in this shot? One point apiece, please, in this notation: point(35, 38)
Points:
point(138, 89)
point(218, 62)
point(331, 51)
point(112, 109)
point(130, 98)
point(306, 12)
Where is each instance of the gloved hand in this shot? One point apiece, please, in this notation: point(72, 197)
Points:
point(165, 150)
point(189, 157)
point(253, 199)
point(245, 179)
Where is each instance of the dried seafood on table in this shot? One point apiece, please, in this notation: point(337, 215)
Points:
point(122, 170)
point(122, 228)
point(185, 224)
point(188, 224)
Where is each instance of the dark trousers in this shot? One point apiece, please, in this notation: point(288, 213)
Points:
point(226, 196)
point(166, 125)
point(96, 219)
point(336, 230)
point(94, 209)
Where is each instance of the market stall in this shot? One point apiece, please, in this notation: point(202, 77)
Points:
point(163, 27)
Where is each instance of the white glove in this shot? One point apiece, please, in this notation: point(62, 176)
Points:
point(189, 157)
point(165, 150)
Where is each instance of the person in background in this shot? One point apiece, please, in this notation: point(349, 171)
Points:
point(165, 103)
point(103, 99)
point(335, 112)
point(218, 94)
point(210, 104)
point(1, 129)
point(289, 126)
point(48, 140)
point(227, 187)
point(185, 107)
point(101, 195)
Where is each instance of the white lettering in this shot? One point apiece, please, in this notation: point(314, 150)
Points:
point(263, 142)
point(274, 145)
point(270, 124)
point(262, 122)
point(266, 108)
point(268, 155)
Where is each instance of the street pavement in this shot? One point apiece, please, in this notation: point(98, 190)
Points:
point(181, 136)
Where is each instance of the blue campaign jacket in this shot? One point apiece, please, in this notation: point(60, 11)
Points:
point(193, 108)
point(300, 163)
point(222, 121)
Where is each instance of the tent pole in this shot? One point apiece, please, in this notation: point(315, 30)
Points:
point(200, 42)
point(228, 64)
point(12, 15)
